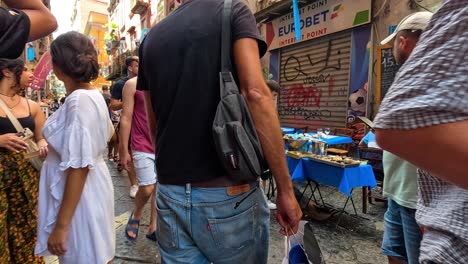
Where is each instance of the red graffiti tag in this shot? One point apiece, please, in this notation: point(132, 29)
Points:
point(298, 95)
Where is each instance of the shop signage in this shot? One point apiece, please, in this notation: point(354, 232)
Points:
point(41, 71)
point(318, 19)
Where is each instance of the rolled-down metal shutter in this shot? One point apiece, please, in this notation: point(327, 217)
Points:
point(314, 78)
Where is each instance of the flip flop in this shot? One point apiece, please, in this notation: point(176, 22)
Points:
point(152, 236)
point(128, 228)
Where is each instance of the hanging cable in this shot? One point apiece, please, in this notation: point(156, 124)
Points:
point(381, 9)
point(421, 6)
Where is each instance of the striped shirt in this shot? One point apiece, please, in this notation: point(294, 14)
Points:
point(430, 89)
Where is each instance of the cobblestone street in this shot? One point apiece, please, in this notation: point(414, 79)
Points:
point(356, 241)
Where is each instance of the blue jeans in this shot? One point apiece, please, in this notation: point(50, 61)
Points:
point(402, 235)
point(201, 225)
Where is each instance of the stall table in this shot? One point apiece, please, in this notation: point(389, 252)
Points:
point(344, 179)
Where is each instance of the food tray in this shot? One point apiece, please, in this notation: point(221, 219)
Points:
point(335, 163)
point(299, 154)
point(295, 143)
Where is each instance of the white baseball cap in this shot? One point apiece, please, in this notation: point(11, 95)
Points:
point(415, 21)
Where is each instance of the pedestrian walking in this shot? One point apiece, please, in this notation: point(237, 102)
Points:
point(134, 132)
point(422, 119)
point(203, 215)
point(116, 105)
point(19, 180)
point(402, 235)
point(76, 195)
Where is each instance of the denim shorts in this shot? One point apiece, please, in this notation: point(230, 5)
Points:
point(202, 225)
point(402, 235)
point(145, 168)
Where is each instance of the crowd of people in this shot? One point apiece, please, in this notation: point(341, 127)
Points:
point(199, 214)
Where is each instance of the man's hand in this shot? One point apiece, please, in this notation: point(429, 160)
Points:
point(12, 142)
point(289, 213)
point(57, 243)
point(125, 159)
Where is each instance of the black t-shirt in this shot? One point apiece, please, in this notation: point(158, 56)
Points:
point(117, 88)
point(180, 63)
point(14, 32)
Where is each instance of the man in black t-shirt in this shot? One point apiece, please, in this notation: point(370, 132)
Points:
point(116, 90)
point(203, 216)
point(24, 20)
point(116, 105)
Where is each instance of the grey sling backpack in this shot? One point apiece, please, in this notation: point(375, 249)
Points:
point(235, 137)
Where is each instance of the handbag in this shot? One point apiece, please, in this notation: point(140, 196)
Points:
point(235, 137)
point(28, 136)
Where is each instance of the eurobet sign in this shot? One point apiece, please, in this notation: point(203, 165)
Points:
point(318, 19)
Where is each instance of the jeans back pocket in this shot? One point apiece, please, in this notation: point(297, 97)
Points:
point(234, 232)
point(167, 228)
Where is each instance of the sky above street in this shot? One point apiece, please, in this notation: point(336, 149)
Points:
point(62, 10)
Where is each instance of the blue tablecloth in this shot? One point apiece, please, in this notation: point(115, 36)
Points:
point(345, 179)
point(335, 140)
point(288, 130)
point(330, 140)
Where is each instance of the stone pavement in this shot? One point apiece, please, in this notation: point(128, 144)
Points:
point(356, 241)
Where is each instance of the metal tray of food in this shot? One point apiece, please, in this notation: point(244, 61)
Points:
point(337, 163)
point(299, 154)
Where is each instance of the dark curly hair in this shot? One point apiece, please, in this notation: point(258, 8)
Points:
point(76, 56)
point(129, 60)
point(16, 66)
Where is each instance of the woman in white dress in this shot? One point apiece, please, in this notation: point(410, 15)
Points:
point(76, 196)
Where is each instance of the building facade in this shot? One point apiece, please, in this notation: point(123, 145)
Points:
point(337, 70)
point(129, 21)
point(90, 18)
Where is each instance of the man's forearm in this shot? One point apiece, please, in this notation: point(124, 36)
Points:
point(441, 150)
point(125, 127)
point(269, 132)
point(41, 19)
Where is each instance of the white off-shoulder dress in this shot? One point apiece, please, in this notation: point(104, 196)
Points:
point(77, 134)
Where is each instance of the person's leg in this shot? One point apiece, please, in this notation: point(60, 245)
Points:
point(393, 244)
point(152, 225)
point(4, 247)
point(412, 233)
point(132, 175)
point(22, 224)
point(142, 196)
point(143, 165)
point(229, 234)
point(174, 234)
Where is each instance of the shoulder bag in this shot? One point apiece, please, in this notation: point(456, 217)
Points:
point(27, 135)
point(235, 137)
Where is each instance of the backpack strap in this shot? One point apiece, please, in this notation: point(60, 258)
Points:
point(226, 65)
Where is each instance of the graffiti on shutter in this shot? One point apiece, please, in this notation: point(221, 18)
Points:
point(314, 78)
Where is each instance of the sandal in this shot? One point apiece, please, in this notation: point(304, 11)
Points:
point(119, 167)
point(128, 228)
point(152, 236)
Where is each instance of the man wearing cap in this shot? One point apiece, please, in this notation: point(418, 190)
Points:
point(423, 119)
point(402, 235)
